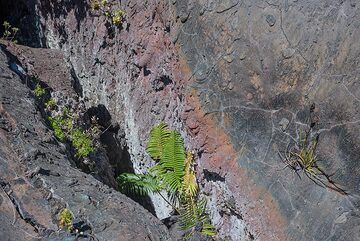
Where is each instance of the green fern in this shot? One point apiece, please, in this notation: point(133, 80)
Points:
point(139, 184)
point(158, 137)
point(193, 216)
point(174, 173)
point(208, 229)
point(170, 169)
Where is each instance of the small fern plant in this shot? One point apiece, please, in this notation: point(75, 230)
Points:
point(173, 172)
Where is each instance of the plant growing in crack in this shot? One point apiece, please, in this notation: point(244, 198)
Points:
point(105, 8)
point(66, 220)
point(174, 173)
point(66, 123)
point(82, 142)
point(9, 32)
point(50, 104)
point(39, 91)
point(302, 157)
point(65, 128)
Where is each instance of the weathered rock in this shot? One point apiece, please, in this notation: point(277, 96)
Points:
point(130, 72)
point(236, 74)
point(311, 55)
point(37, 181)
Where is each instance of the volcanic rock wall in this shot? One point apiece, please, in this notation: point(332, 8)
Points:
point(242, 80)
point(38, 178)
point(265, 71)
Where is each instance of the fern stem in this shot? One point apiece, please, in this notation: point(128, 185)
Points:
point(172, 205)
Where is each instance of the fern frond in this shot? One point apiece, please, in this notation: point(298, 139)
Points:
point(208, 229)
point(173, 172)
point(188, 215)
point(193, 216)
point(171, 164)
point(138, 184)
point(190, 186)
point(158, 137)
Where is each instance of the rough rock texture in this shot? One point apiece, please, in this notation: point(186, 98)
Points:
point(37, 179)
point(131, 71)
point(49, 68)
point(238, 78)
point(258, 67)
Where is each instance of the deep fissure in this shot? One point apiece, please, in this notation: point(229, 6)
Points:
point(21, 14)
point(113, 149)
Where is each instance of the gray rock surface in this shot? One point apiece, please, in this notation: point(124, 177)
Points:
point(298, 53)
point(238, 79)
point(37, 180)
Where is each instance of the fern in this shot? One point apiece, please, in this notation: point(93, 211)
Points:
point(194, 218)
point(139, 184)
point(158, 137)
point(173, 172)
point(189, 186)
point(170, 169)
point(208, 229)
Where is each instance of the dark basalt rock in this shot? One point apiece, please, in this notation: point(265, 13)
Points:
point(37, 181)
point(244, 77)
point(298, 53)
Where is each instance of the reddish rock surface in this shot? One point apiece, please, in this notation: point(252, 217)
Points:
point(238, 79)
point(38, 178)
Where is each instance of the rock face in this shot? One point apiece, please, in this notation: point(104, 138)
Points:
point(259, 69)
point(242, 80)
point(37, 179)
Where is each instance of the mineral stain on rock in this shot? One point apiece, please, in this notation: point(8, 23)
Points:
point(237, 79)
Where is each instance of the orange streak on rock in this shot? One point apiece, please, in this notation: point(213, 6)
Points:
point(258, 207)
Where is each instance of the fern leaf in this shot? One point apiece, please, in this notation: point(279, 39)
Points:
point(158, 137)
point(171, 164)
point(188, 215)
point(139, 184)
point(193, 216)
point(190, 186)
point(208, 229)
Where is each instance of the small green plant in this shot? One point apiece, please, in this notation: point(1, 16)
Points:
point(82, 142)
point(57, 124)
point(39, 91)
point(65, 129)
point(9, 32)
point(104, 7)
point(302, 157)
point(66, 220)
point(50, 104)
point(95, 4)
point(118, 16)
point(174, 172)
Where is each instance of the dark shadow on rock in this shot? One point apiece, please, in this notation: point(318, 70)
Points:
point(58, 9)
point(21, 14)
point(160, 83)
point(113, 140)
point(213, 176)
point(76, 83)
